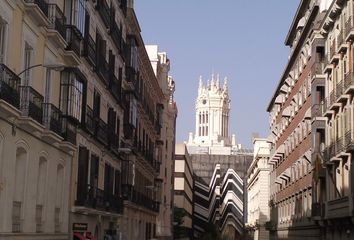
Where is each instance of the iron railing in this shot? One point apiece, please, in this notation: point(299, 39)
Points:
point(57, 19)
point(89, 121)
point(69, 131)
point(104, 11)
point(115, 87)
point(73, 38)
point(52, 118)
point(9, 86)
point(93, 197)
point(89, 50)
point(102, 132)
point(31, 103)
point(348, 80)
point(103, 69)
point(339, 89)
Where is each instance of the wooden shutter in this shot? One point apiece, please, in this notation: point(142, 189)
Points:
point(82, 174)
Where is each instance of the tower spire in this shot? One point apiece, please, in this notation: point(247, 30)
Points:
point(225, 84)
point(200, 87)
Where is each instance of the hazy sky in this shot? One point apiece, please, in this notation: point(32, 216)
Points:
point(240, 39)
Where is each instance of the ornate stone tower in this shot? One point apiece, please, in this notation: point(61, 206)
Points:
point(212, 114)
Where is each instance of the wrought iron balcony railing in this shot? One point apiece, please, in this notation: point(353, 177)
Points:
point(93, 197)
point(115, 87)
point(348, 80)
point(52, 118)
point(57, 19)
point(9, 86)
point(104, 11)
point(89, 121)
point(89, 50)
point(73, 38)
point(31, 103)
point(102, 132)
point(69, 131)
point(103, 69)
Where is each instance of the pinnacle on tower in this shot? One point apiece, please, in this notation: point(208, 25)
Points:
point(225, 84)
point(218, 80)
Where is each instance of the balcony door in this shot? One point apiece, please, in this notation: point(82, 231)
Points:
point(75, 14)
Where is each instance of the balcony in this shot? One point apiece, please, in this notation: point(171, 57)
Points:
point(69, 131)
point(9, 86)
point(349, 82)
point(128, 130)
point(116, 35)
point(317, 110)
point(338, 208)
point(52, 118)
point(31, 103)
point(115, 87)
point(340, 94)
point(341, 44)
point(57, 24)
point(73, 39)
point(317, 211)
point(89, 51)
point(95, 198)
point(103, 69)
point(333, 56)
point(38, 9)
point(349, 28)
point(104, 11)
point(140, 199)
point(89, 121)
point(339, 146)
point(102, 132)
point(131, 77)
point(113, 142)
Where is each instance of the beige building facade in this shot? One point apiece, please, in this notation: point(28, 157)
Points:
point(161, 66)
point(183, 187)
point(333, 196)
point(294, 125)
point(85, 123)
point(258, 190)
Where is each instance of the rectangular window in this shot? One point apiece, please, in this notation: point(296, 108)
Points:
point(75, 13)
point(27, 63)
point(71, 97)
point(3, 26)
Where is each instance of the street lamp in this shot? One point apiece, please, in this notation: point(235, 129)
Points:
point(56, 67)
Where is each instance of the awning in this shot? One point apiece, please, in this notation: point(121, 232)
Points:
point(79, 236)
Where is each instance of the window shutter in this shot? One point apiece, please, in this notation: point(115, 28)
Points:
point(82, 174)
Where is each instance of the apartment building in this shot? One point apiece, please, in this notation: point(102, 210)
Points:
point(333, 198)
point(81, 119)
point(258, 190)
point(183, 190)
point(293, 118)
point(161, 66)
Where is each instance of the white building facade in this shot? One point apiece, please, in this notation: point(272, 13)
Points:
point(258, 190)
point(212, 119)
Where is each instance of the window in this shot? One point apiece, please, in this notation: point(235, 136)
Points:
point(27, 63)
point(3, 29)
point(71, 97)
point(75, 14)
point(133, 111)
point(133, 54)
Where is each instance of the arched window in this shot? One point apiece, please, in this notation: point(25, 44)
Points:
point(41, 189)
point(19, 189)
point(58, 198)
